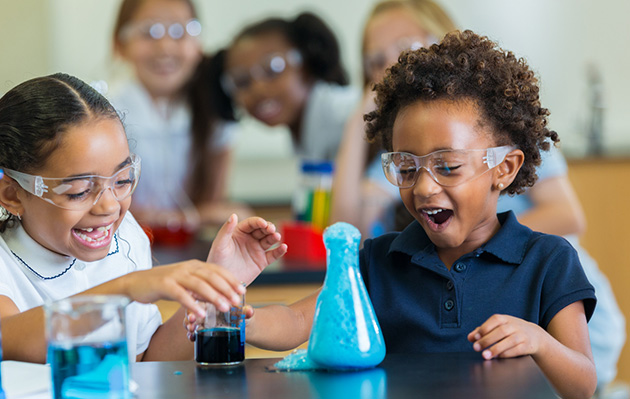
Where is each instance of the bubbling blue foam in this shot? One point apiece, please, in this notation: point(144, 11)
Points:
point(346, 334)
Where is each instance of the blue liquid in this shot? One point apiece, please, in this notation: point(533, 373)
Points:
point(90, 371)
point(222, 345)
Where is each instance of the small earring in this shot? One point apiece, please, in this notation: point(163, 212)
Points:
point(18, 216)
point(500, 186)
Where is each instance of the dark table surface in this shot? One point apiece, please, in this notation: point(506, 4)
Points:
point(452, 375)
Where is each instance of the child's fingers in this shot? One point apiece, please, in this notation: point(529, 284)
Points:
point(506, 347)
point(270, 240)
point(276, 253)
point(249, 311)
point(227, 229)
point(183, 296)
point(250, 225)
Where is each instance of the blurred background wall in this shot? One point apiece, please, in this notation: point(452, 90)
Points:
point(561, 40)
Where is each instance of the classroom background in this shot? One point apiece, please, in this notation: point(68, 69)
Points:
point(580, 50)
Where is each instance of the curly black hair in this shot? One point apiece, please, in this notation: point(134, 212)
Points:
point(469, 67)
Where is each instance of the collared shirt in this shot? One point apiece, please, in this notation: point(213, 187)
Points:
point(424, 307)
point(33, 275)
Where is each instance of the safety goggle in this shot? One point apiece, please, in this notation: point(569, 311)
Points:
point(447, 167)
point(273, 65)
point(152, 30)
point(80, 192)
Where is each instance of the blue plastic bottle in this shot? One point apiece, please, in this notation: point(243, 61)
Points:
point(346, 333)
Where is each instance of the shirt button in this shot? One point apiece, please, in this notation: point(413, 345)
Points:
point(449, 304)
point(449, 285)
point(460, 267)
point(80, 266)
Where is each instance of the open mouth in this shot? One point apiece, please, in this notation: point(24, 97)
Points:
point(94, 237)
point(267, 109)
point(438, 216)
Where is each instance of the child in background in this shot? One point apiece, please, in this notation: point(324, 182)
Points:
point(65, 230)
point(289, 73)
point(183, 134)
point(464, 124)
point(361, 194)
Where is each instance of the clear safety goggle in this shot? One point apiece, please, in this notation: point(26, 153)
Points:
point(80, 192)
point(446, 167)
point(269, 68)
point(152, 30)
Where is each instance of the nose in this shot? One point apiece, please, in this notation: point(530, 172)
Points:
point(425, 186)
point(106, 202)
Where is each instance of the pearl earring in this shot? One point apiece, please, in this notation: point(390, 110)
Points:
point(500, 186)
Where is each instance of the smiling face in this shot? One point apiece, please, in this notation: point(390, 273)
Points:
point(95, 147)
point(164, 65)
point(387, 34)
point(457, 219)
point(279, 100)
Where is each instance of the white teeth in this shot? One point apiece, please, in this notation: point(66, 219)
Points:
point(105, 229)
point(432, 211)
point(89, 229)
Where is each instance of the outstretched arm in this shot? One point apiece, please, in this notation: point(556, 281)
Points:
point(563, 352)
point(23, 332)
point(246, 248)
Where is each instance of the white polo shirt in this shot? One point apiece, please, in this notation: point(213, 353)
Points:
point(31, 275)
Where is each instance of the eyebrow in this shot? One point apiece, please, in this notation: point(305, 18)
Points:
point(84, 175)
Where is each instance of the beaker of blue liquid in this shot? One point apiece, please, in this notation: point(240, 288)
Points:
point(87, 347)
point(220, 336)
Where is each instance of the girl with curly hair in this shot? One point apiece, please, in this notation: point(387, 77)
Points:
point(463, 124)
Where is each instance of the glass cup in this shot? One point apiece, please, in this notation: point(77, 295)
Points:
point(87, 347)
point(220, 336)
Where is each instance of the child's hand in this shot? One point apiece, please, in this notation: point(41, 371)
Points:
point(506, 336)
point(244, 248)
point(190, 321)
point(185, 282)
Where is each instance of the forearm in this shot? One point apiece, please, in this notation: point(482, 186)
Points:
point(23, 336)
point(281, 328)
point(571, 373)
point(349, 170)
point(169, 342)
point(552, 219)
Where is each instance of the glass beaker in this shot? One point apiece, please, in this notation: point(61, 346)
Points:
point(87, 347)
point(220, 336)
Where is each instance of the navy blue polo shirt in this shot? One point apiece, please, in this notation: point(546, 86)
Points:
point(424, 307)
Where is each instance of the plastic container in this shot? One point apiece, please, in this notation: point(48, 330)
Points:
point(311, 201)
point(305, 244)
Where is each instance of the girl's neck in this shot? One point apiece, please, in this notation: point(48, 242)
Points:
point(476, 239)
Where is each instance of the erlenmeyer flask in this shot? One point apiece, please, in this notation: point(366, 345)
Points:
point(346, 333)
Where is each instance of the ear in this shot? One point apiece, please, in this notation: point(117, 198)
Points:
point(506, 171)
point(9, 197)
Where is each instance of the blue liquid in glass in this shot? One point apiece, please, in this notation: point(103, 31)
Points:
point(220, 345)
point(346, 333)
point(90, 371)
